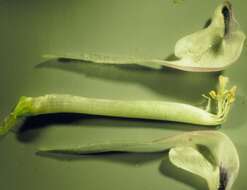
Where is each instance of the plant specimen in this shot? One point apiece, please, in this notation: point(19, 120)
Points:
point(215, 113)
point(208, 154)
point(213, 48)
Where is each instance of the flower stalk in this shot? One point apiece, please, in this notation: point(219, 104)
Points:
point(220, 100)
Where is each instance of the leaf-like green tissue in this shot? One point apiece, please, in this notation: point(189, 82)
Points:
point(213, 48)
point(208, 154)
point(219, 104)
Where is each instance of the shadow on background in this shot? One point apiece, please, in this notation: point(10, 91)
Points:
point(185, 86)
point(134, 159)
point(28, 131)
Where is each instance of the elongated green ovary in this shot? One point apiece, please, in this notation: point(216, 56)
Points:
point(208, 154)
point(155, 110)
point(210, 49)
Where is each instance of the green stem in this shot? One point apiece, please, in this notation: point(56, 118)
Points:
point(155, 110)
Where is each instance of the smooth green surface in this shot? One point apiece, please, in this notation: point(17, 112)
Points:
point(141, 28)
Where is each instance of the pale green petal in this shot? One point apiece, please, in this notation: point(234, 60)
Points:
point(210, 49)
point(191, 160)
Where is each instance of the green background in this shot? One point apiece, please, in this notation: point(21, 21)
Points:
point(29, 29)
